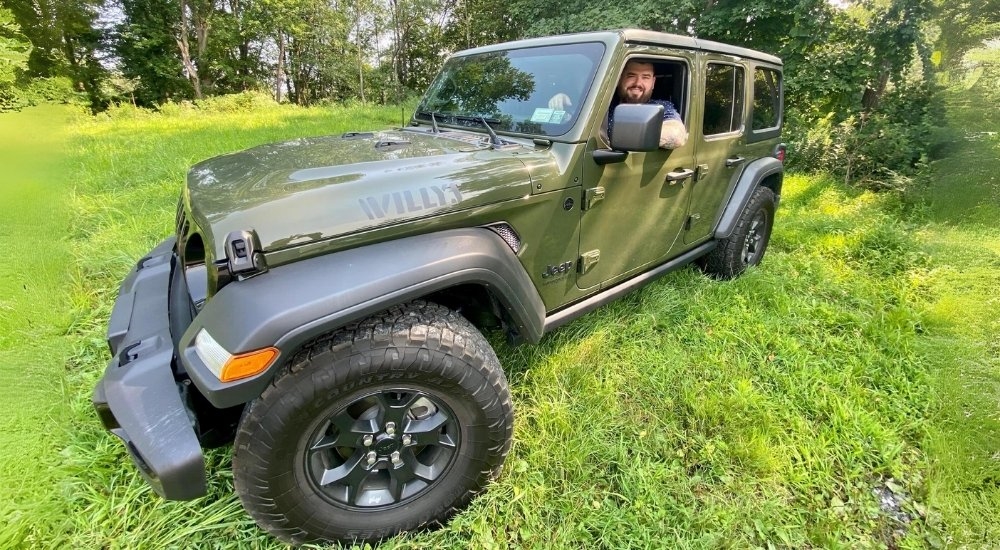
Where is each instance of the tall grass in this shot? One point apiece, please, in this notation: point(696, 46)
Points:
point(786, 408)
point(34, 254)
point(962, 347)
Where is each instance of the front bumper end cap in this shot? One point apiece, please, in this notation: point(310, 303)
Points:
point(138, 400)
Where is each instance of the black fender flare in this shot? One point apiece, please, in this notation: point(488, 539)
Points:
point(294, 303)
point(752, 176)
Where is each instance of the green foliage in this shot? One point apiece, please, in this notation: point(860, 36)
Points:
point(964, 26)
point(34, 319)
point(14, 48)
point(874, 151)
point(236, 103)
point(692, 413)
point(144, 41)
point(14, 52)
point(66, 40)
point(962, 203)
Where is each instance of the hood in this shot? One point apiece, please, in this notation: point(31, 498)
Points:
point(311, 189)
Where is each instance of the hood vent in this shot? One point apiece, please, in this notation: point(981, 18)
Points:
point(357, 135)
point(386, 145)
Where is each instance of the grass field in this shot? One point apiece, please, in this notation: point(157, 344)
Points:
point(816, 401)
point(962, 347)
point(34, 289)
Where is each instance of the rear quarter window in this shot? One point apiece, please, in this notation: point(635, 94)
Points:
point(765, 111)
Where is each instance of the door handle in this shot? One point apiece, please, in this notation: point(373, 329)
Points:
point(734, 161)
point(680, 174)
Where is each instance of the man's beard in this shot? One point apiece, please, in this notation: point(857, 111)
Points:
point(624, 97)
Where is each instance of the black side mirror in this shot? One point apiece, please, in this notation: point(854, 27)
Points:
point(637, 127)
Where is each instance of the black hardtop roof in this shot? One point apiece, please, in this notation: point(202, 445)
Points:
point(634, 36)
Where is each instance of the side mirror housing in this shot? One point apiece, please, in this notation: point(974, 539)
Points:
point(637, 127)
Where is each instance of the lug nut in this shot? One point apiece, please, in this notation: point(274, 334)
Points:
point(368, 440)
point(390, 428)
point(371, 458)
point(407, 439)
point(394, 457)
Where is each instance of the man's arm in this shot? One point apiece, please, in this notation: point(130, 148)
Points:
point(673, 134)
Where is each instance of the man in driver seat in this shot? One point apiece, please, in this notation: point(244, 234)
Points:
point(636, 86)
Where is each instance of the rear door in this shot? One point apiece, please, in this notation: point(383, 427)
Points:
point(720, 138)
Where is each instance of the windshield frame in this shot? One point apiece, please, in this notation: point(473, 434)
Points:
point(588, 85)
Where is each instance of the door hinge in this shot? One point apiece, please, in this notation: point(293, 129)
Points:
point(589, 260)
point(592, 196)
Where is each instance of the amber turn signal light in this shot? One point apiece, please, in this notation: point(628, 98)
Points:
point(248, 364)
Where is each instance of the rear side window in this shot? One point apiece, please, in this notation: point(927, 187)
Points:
point(724, 91)
point(766, 99)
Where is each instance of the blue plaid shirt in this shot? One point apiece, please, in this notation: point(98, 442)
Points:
point(669, 112)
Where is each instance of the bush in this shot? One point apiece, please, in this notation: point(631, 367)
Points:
point(11, 99)
point(882, 149)
point(236, 103)
point(57, 89)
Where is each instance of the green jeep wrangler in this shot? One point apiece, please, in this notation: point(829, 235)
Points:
point(322, 303)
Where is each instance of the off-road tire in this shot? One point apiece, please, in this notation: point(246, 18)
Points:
point(745, 247)
point(417, 349)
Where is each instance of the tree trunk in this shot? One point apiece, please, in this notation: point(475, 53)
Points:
point(397, 44)
point(182, 43)
point(873, 93)
point(202, 23)
point(361, 66)
point(279, 77)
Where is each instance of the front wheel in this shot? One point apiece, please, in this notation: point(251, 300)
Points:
point(746, 245)
point(390, 425)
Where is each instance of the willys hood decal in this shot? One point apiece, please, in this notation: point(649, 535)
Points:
point(315, 188)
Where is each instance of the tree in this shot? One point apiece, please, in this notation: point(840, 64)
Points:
point(146, 45)
point(194, 23)
point(14, 52)
point(15, 48)
point(65, 41)
point(964, 24)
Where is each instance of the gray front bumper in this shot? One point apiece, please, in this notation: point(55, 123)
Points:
point(138, 398)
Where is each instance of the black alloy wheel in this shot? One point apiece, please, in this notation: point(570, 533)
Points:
point(390, 425)
point(382, 449)
point(746, 245)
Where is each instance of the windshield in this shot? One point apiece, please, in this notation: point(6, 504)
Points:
point(512, 89)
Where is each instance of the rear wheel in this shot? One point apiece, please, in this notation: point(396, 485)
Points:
point(390, 425)
point(746, 245)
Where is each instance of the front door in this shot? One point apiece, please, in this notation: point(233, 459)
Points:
point(635, 211)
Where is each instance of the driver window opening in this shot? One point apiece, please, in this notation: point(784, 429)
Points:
point(670, 83)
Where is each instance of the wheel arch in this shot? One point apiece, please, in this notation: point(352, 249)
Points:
point(473, 269)
point(767, 172)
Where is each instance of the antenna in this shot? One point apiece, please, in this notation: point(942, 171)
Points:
point(494, 138)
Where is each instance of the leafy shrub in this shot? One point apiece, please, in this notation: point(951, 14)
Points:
point(11, 99)
point(236, 103)
point(56, 89)
point(126, 111)
point(882, 149)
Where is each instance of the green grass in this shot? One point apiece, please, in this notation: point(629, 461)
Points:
point(759, 412)
point(962, 347)
point(34, 192)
